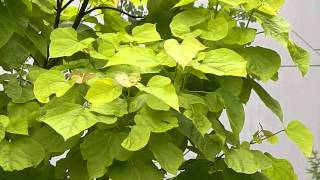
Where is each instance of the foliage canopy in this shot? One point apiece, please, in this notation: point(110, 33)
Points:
point(128, 88)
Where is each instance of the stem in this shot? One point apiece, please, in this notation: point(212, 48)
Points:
point(112, 8)
point(261, 32)
point(265, 138)
point(216, 9)
point(58, 15)
point(204, 92)
point(250, 17)
point(59, 9)
point(81, 14)
point(67, 4)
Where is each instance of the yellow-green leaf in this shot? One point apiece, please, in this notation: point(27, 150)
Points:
point(300, 57)
point(145, 33)
point(162, 88)
point(183, 53)
point(103, 91)
point(222, 62)
point(49, 83)
point(301, 136)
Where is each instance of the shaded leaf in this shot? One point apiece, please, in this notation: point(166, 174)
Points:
point(20, 154)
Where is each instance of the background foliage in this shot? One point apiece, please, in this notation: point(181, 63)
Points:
point(126, 89)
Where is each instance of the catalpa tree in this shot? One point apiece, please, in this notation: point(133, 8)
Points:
point(134, 90)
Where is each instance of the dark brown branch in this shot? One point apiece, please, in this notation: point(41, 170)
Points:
point(81, 14)
point(58, 15)
point(66, 5)
point(114, 9)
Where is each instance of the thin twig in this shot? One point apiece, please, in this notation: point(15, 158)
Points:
point(67, 4)
point(307, 43)
point(216, 9)
point(261, 32)
point(250, 17)
point(267, 137)
point(115, 9)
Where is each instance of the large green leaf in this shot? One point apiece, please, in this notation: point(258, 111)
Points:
point(169, 156)
point(72, 166)
point(69, 119)
point(240, 36)
point(262, 63)
point(184, 2)
point(145, 33)
point(42, 171)
point(136, 56)
point(147, 99)
point(137, 138)
point(199, 119)
point(247, 162)
point(187, 100)
point(181, 24)
point(217, 29)
point(161, 87)
point(100, 148)
point(209, 145)
point(14, 53)
point(222, 62)
point(147, 121)
point(300, 57)
point(155, 121)
point(4, 122)
point(269, 101)
point(49, 83)
point(7, 26)
point(271, 7)
point(197, 169)
point(21, 116)
point(137, 167)
point(53, 142)
point(139, 2)
point(19, 92)
point(118, 107)
point(275, 27)
point(281, 170)
point(301, 136)
point(103, 91)
point(233, 2)
point(235, 111)
point(183, 53)
point(20, 154)
point(64, 42)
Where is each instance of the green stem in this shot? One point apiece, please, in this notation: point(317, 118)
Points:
point(216, 9)
point(267, 137)
point(250, 17)
point(204, 92)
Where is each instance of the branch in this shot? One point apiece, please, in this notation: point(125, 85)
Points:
point(216, 9)
point(250, 17)
point(115, 9)
point(81, 14)
point(67, 4)
point(58, 10)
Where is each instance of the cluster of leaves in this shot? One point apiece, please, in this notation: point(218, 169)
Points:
point(125, 100)
point(314, 165)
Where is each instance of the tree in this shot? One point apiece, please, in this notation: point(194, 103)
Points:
point(127, 89)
